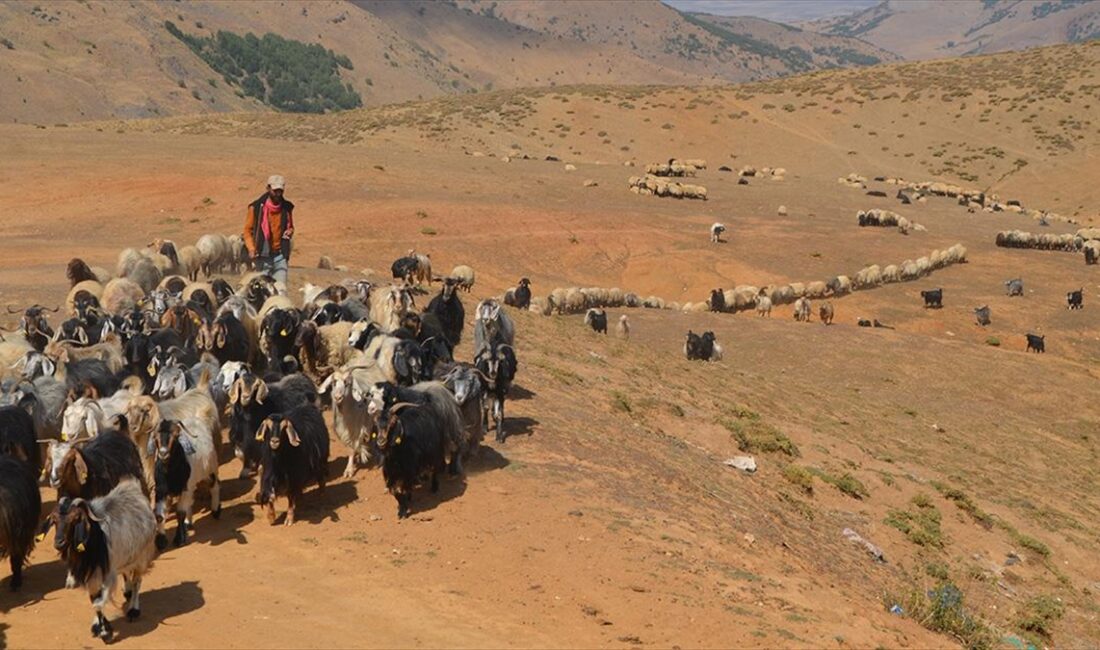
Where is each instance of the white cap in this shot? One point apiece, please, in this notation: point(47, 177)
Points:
point(276, 182)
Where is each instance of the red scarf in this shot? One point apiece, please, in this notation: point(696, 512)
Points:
point(270, 210)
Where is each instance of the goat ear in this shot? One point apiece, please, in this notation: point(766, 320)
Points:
point(219, 336)
point(181, 384)
point(90, 391)
point(325, 385)
point(91, 423)
point(81, 335)
point(81, 467)
point(49, 367)
point(235, 391)
point(291, 434)
point(261, 433)
point(259, 391)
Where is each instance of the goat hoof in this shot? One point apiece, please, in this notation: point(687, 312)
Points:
point(133, 614)
point(95, 629)
point(217, 514)
point(162, 541)
point(16, 583)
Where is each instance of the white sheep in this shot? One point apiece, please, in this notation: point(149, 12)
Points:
point(763, 305)
point(465, 277)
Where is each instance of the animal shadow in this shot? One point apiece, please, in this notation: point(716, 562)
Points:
point(315, 507)
point(161, 604)
point(424, 501)
point(485, 459)
point(38, 580)
point(517, 392)
point(521, 426)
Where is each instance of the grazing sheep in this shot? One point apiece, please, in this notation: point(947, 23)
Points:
point(464, 275)
point(982, 314)
point(596, 319)
point(80, 292)
point(190, 262)
point(1014, 287)
point(816, 290)
point(102, 539)
point(121, 295)
point(802, 310)
point(623, 328)
point(214, 253)
point(839, 285)
point(20, 510)
point(825, 313)
point(78, 271)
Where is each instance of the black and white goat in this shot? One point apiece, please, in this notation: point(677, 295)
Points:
point(498, 364)
point(106, 538)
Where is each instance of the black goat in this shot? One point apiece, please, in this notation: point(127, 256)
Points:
point(78, 271)
point(228, 339)
point(93, 468)
point(295, 455)
point(252, 400)
point(404, 268)
point(1076, 299)
point(279, 330)
point(699, 348)
point(932, 298)
point(596, 319)
point(498, 364)
point(34, 325)
point(521, 297)
point(1036, 343)
point(17, 437)
point(449, 310)
point(20, 510)
point(77, 331)
point(1090, 255)
point(411, 445)
point(717, 300)
point(222, 290)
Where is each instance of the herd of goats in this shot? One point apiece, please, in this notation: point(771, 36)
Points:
point(121, 407)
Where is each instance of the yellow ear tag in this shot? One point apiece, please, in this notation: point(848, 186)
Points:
point(151, 369)
point(39, 537)
point(373, 436)
point(282, 332)
point(397, 441)
point(80, 547)
point(260, 435)
point(64, 437)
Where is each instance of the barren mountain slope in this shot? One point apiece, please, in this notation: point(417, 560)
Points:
point(63, 62)
point(981, 121)
point(924, 29)
point(733, 49)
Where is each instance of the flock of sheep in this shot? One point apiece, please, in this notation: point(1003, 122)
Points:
point(122, 403)
point(1085, 240)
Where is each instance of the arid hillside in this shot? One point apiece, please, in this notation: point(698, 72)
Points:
point(926, 29)
point(608, 518)
point(65, 62)
point(1023, 121)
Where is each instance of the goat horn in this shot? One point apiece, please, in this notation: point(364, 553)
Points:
point(398, 406)
point(13, 311)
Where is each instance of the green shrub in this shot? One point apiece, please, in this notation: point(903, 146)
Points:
point(1040, 614)
point(800, 477)
point(756, 436)
point(288, 75)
